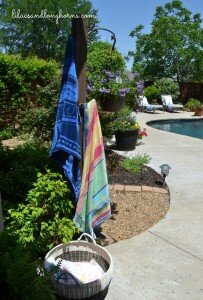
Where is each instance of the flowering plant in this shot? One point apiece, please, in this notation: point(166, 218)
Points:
point(108, 87)
point(142, 133)
point(124, 121)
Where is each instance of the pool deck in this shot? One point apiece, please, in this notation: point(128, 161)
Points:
point(166, 261)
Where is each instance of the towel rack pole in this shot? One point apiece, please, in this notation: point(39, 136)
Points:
point(79, 32)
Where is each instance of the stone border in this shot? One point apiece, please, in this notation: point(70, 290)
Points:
point(137, 188)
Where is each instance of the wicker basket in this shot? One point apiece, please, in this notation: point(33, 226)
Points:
point(83, 251)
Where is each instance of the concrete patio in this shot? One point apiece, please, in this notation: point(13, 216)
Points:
point(166, 261)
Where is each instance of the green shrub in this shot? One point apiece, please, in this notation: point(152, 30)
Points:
point(130, 98)
point(135, 164)
point(19, 168)
point(38, 122)
point(46, 219)
point(107, 124)
point(6, 134)
point(168, 86)
point(18, 272)
point(192, 104)
point(152, 93)
point(26, 81)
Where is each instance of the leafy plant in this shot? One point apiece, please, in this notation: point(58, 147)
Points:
point(130, 98)
point(108, 88)
point(142, 133)
point(19, 168)
point(168, 86)
point(6, 134)
point(124, 120)
point(38, 122)
point(192, 104)
point(135, 164)
point(46, 218)
point(152, 93)
point(18, 272)
point(27, 82)
point(100, 57)
point(107, 123)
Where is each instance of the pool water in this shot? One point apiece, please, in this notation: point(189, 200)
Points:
point(192, 128)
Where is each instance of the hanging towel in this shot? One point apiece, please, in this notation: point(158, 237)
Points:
point(65, 147)
point(93, 206)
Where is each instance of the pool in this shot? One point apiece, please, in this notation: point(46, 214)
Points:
point(187, 127)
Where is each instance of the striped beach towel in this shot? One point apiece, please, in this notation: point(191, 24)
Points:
point(93, 206)
point(65, 147)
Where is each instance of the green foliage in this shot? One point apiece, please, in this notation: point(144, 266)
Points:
point(18, 171)
point(135, 164)
point(152, 93)
point(18, 272)
point(6, 134)
point(100, 57)
point(168, 86)
point(192, 104)
point(27, 82)
point(107, 124)
point(174, 46)
point(38, 122)
point(47, 217)
point(130, 98)
point(44, 37)
point(124, 120)
point(107, 88)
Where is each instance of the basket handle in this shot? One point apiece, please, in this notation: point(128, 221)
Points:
point(87, 235)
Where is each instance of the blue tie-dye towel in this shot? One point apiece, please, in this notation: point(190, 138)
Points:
point(65, 147)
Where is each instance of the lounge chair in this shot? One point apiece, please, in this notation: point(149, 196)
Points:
point(168, 103)
point(145, 106)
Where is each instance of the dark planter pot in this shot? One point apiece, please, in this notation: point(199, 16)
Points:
point(111, 104)
point(126, 140)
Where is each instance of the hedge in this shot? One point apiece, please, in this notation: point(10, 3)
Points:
point(26, 82)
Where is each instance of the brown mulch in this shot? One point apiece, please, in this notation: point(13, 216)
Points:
point(132, 212)
point(117, 174)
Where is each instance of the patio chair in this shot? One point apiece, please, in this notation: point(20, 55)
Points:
point(168, 103)
point(145, 106)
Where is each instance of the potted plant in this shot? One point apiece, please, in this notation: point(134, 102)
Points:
point(126, 130)
point(110, 91)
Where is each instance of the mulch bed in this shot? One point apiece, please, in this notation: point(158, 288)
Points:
point(117, 174)
point(132, 212)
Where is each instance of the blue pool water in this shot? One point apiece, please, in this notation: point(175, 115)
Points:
point(192, 128)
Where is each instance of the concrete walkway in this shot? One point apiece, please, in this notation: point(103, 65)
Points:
point(166, 261)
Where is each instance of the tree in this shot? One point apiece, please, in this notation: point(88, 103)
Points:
point(40, 35)
point(174, 48)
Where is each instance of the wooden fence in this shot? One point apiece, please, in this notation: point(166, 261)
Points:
point(191, 90)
